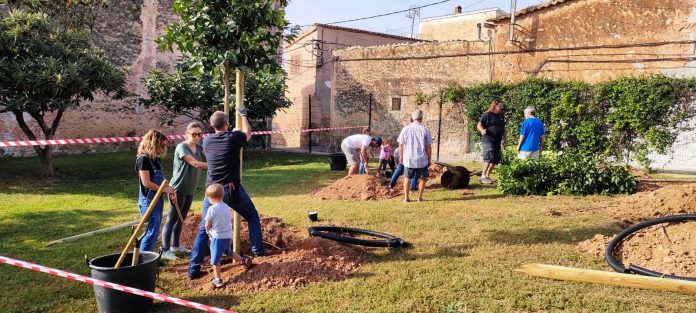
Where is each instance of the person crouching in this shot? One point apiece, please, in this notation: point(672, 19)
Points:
point(218, 225)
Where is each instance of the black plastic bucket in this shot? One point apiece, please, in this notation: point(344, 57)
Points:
point(338, 161)
point(142, 276)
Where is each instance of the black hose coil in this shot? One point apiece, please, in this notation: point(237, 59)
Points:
point(333, 233)
point(619, 238)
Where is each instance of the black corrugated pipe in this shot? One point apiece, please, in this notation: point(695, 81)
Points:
point(619, 238)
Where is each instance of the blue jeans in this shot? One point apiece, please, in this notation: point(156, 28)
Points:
point(155, 218)
point(153, 223)
point(246, 209)
point(398, 172)
point(361, 169)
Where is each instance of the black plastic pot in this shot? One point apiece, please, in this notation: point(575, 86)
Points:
point(338, 161)
point(142, 276)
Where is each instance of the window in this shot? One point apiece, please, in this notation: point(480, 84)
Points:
point(396, 104)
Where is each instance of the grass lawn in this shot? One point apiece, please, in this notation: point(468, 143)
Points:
point(464, 248)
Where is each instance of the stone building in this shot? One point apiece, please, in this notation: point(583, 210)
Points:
point(458, 25)
point(309, 63)
point(589, 40)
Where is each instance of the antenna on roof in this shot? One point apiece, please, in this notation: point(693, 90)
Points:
point(412, 13)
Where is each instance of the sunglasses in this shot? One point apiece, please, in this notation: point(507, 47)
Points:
point(194, 135)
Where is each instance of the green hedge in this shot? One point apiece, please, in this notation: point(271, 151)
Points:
point(623, 118)
point(567, 175)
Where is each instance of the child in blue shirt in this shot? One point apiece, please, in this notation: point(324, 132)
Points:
point(218, 225)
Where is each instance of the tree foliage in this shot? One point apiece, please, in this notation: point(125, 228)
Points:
point(623, 118)
point(197, 95)
point(46, 70)
point(232, 34)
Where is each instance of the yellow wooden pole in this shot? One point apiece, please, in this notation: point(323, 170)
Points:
point(239, 88)
point(129, 245)
point(608, 278)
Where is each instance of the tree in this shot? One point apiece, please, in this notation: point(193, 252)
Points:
point(47, 70)
point(239, 34)
point(197, 95)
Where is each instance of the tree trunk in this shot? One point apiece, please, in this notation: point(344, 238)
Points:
point(45, 154)
point(46, 158)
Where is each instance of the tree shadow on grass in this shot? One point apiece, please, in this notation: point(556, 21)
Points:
point(545, 235)
point(472, 197)
point(25, 227)
point(410, 253)
point(222, 301)
point(113, 175)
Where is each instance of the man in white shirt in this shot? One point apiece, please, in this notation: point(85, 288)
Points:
point(415, 147)
point(355, 148)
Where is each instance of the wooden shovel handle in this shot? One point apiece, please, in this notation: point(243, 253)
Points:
point(129, 245)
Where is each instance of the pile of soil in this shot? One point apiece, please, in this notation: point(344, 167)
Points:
point(369, 187)
point(668, 200)
point(275, 233)
point(669, 251)
point(295, 259)
point(650, 248)
point(357, 187)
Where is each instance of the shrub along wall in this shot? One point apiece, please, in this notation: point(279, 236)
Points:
point(621, 119)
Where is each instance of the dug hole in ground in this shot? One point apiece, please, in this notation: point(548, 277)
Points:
point(295, 259)
point(666, 248)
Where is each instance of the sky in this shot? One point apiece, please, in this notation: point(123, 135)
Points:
point(307, 12)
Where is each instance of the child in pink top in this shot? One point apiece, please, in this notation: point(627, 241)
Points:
point(385, 154)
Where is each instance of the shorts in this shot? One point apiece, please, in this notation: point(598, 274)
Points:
point(352, 155)
point(418, 173)
point(218, 247)
point(491, 152)
point(526, 155)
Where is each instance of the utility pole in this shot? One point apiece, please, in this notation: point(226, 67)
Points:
point(412, 13)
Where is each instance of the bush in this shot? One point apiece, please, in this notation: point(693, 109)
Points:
point(624, 119)
point(568, 175)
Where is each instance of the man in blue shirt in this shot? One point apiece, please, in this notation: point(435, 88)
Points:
point(531, 140)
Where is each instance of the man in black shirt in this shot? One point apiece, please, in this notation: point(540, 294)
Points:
point(492, 129)
point(222, 152)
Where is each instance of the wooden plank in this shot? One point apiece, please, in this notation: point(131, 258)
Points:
point(92, 233)
point(608, 278)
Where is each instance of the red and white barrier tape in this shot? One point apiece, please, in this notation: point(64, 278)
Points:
point(84, 279)
point(29, 143)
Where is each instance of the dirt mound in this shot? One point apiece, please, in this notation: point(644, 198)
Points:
point(670, 252)
point(295, 259)
point(357, 187)
point(276, 235)
point(595, 245)
point(672, 199)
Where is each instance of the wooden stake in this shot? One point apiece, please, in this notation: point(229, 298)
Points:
point(608, 278)
point(239, 103)
point(133, 237)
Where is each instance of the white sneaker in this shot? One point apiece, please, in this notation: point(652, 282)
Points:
point(169, 255)
point(180, 250)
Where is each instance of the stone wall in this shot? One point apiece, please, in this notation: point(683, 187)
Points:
point(416, 80)
point(125, 31)
point(589, 40)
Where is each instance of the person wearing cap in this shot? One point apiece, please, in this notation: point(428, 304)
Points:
point(492, 129)
point(355, 148)
point(531, 140)
point(415, 153)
